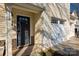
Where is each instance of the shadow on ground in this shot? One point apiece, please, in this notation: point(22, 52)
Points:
point(67, 52)
point(69, 48)
point(27, 52)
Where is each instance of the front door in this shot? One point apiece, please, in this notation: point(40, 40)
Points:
point(23, 30)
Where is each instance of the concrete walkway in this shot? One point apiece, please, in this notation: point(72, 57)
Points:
point(69, 47)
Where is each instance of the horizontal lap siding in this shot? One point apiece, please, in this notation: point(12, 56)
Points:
point(2, 24)
point(60, 11)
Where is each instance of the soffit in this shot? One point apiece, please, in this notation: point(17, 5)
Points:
point(28, 7)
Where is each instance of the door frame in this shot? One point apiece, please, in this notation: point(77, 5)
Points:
point(29, 29)
point(29, 8)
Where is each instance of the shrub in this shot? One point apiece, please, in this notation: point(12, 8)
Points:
point(49, 51)
point(42, 53)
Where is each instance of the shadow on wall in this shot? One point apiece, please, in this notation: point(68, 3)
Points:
point(54, 34)
point(59, 32)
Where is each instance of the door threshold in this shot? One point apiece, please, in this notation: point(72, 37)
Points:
point(24, 46)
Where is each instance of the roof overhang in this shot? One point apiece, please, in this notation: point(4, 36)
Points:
point(26, 6)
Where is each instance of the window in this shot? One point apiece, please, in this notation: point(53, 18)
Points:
point(54, 21)
point(57, 20)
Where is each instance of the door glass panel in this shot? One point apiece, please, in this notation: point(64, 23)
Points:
point(23, 30)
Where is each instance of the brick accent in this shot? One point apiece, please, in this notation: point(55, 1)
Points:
point(2, 43)
point(14, 44)
point(32, 40)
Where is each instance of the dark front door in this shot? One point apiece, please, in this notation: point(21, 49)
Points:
point(23, 30)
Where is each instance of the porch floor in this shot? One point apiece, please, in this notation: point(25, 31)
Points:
point(23, 51)
point(67, 48)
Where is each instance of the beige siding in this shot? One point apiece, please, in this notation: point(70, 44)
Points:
point(2, 24)
point(2, 21)
point(60, 11)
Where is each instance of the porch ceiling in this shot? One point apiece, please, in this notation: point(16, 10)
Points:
point(27, 7)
